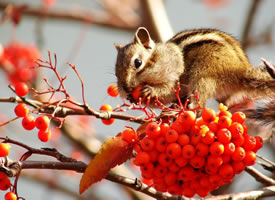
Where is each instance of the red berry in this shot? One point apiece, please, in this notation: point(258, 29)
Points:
point(4, 181)
point(171, 136)
point(224, 136)
point(173, 189)
point(44, 135)
point(173, 150)
point(249, 142)
point(202, 149)
point(183, 139)
point(42, 122)
point(238, 166)
point(250, 158)
point(209, 138)
point(164, 127)
point(161, 144)
point(164, 160)
point(10, 196)
point(259, 143)
point(21, 89)
point(186, 173)
point(239, 154)
point(170, 178)
point(112, 90)
point(160, 171)
point(152, 130)
point(147, 144)
point(188, 118)
point(142, 158)
point(28, 122)
point(197, 162)
point(226, 171)
point(4, 149)
point(224, 122)
point(214, 161)
point(136, 92)
point(238, 117)
point(216, 149)
point(181, 161)
point(229, 148)
point(21, 110)
point(208, 115)
point(188, 151)
point(147, 168)
point(236, 130)
point(129, 135)
point(153, 155)
point(213, 126)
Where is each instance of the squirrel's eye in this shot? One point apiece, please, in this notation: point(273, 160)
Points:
point(138, 62)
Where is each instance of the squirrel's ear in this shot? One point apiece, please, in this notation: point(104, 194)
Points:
point(117, 46)
point(142, 36)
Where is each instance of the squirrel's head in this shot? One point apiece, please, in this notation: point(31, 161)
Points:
point(132, 60)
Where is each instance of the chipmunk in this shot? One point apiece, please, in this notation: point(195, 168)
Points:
point(208, 62)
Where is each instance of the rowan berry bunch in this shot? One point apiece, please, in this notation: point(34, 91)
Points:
point(196, 155)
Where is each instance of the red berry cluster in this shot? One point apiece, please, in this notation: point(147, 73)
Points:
point(29, 122)
point(17, 61)
point(194, 155)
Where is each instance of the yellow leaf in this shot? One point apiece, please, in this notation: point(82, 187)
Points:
point(113, 152)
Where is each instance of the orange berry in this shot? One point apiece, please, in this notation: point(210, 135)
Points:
point(236, 130)
point(226, 171)
point(238, 166)
point(229, 148)
point(164, 127)
point(21, 110)
point(213, 126)
point(224, 122)
point(225, 113)
point(222, 107)
point(4, 149)
point(42, 122)
point(188, 151)
point(183, 139)
point(202, 149)
point(250, 158)
point(153, 155)
point(208, 115)
point(209, 138)
point(164, 160)
point(112, 90)
point(136, 92)
point(161, 144)
point(147, 168)
point(170, 179)
point(44, 135)
point(188, 118)
point(171, 136)
point(129, 135)
point(181, 161)
point(4, 181)
point(142, 158)
point(238, 141)
point(224, 136)
point(197, 162)
point(173, 150)
point(239, 154)
point(147, 144)
point(10, 196)
point(28, 122)
point(214, 161)
point(177, 126)
point(152, 130)
point(21, 89)
point(238, 117)
point(216, 149)
point(204, 130)
point(195, 139)
point(259, 143)
point(160, 171)
point(249, 142)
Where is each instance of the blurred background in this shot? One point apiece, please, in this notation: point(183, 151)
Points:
point(86, 39)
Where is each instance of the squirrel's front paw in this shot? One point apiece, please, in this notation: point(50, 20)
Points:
point(147, 91)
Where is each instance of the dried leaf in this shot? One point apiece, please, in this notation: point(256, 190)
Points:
point(113, 152)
